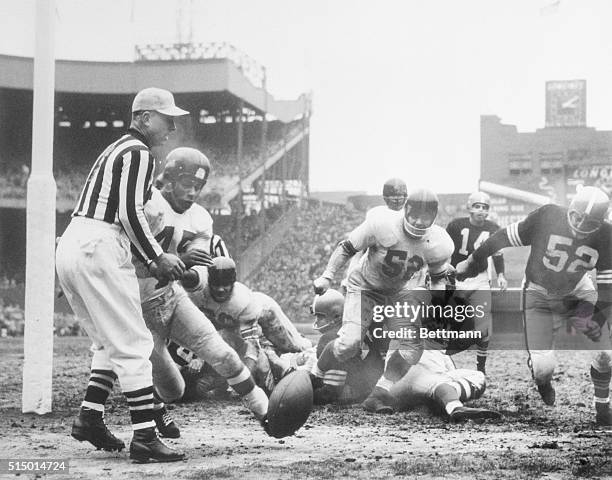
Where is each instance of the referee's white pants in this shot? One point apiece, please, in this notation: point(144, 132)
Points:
point(94, 266)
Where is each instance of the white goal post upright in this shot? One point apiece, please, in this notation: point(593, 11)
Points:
point(40, 208)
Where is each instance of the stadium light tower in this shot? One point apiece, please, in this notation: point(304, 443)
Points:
point(40, 208)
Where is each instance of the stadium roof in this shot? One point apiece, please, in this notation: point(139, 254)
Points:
point(217, 82)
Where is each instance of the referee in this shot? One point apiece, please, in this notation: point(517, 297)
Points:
point(96, 273)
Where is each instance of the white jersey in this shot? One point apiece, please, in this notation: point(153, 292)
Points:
point(175, 232)
point(239, 311)
point(395, 260)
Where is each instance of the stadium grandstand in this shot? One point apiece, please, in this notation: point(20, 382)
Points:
point(257, 144)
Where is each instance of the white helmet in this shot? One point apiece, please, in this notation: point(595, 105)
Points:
point(478, 197)
point(421, 204)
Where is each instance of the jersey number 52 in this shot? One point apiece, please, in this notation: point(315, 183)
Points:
point(558, 253)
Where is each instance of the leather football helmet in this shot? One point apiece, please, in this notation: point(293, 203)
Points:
point(420, 212)
point(587, 211)
point(221, 278)
point(328, 309)
point(478, 197)
point(184, 175)
point(395, 193)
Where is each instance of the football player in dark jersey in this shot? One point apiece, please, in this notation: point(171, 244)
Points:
point(395, 193)
point(566, 243)
point(468, 233)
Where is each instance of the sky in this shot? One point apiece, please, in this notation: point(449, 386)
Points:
point(398, 85)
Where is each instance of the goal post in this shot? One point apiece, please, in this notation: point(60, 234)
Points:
point(40, 224)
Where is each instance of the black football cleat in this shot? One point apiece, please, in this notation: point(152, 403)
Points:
point(379, 401)
point(462, 414)
point(91, 428)
point(147, 447)
point(166, 426)
point(547, 392)
point(603, 417)
point(326, 394)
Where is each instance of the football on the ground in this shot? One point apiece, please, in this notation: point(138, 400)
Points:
point(290, 404)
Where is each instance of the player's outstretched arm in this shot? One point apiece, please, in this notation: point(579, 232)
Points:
point(476, 262)
point(340, 256)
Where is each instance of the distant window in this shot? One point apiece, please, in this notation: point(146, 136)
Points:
point(551, 166)
point(520, 164)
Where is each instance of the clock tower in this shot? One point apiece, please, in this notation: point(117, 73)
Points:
point(566, 103)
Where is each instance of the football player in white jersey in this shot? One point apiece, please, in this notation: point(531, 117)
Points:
point(468, 233)
point(394, 194)
point(433, 381)
point(404, 248)
point(185, 229)
point(245, 317)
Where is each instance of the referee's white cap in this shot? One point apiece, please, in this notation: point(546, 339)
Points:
point(157, 99)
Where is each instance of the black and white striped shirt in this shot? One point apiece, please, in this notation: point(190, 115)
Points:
point(118, 186)
point(217, 247)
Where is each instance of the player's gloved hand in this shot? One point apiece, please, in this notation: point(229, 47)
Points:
point(502, 283)
point(468, 268)
point(196, 257)
point(588, 326)
point(321, 285)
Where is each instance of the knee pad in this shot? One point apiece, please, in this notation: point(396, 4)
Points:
point(345, 348)
point(396, 366)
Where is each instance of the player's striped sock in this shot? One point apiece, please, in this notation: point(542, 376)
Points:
point(242, 383)
point(447, 397)
point(601, 385)
point(98, 389)
point(482, 353)
point(158, 404)
point(140, 403)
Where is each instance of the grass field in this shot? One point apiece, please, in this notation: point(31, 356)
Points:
point(223, 441)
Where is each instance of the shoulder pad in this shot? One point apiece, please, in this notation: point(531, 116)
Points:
point(200, 219)
point(386, 226)
point(440, 246)
point(374, 211)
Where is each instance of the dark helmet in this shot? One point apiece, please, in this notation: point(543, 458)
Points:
point(421, 204)
point(328, 309)
point(587, 210)
point(222, 271)
point(394, 193)
point(186, 162)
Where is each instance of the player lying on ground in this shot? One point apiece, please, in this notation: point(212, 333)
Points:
point(402, 247)
point(245, 317)
point(566, 243)
point(468, 233)
point(184, 228)
point(433, 381)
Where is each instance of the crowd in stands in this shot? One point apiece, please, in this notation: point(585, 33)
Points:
point(74, 156)
point(12, 322)
point(288, 273)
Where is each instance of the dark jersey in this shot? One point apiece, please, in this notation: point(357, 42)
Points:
point(558, 260)
point(468, 237)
